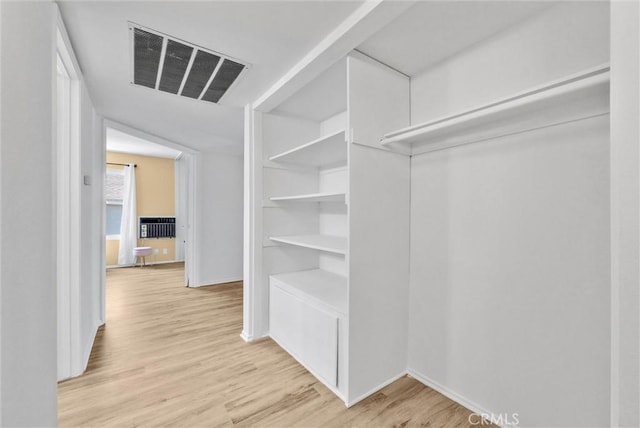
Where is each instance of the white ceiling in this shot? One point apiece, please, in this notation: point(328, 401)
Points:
point(118, 141)
point(271, 36)
point(431, 31)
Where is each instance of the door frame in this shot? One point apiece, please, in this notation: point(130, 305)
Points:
point(67, 167)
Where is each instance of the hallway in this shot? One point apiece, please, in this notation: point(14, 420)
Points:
point(172, 356)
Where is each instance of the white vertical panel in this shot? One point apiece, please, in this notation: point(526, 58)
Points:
point(255, 293)
point(378, 268)
point(378, 100)
point(625, 213)
point(379, 183)
point(306, 332)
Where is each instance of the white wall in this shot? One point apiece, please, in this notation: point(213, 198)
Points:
point(28, 309)
point(219, 194)
point(510, 237)
point(563, 39)
point(510, 273)
point(625, 213)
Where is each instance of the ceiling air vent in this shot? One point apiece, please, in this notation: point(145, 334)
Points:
point(178, 67)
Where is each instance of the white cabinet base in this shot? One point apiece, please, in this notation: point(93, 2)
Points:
point(308, 333)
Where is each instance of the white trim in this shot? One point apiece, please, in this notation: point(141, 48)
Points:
point(103, 213)
point(191, 253)
point(216, 281)
point(463, 401)
point(255, 297)
point(250, 339)
point(112, 237)
point(69, 211)
point(68, 55)
point(164, 262)
point(375, 389)
point(625, 214)
point(119, 126)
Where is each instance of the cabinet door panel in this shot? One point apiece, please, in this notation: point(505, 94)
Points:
point(309, 334)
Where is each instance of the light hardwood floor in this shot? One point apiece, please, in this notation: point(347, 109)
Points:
point(172, 356)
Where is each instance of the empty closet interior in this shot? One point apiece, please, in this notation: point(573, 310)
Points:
point(441, 209)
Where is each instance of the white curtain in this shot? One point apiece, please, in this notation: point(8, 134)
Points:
point(128, 225)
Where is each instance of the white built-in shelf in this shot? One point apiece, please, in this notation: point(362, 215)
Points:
point(316, 285)
point(329, 243)
point(312, 197)
point(578, 96)
point(325, 152)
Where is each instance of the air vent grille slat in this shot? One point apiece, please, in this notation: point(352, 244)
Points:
point(147, 51)
point(176, 60)
point(164, 63)
point(228, 73)
point(201, 69)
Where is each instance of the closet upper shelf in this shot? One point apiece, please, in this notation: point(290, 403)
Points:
point(574, 97)
point(329, 243)
point(327, 151)
point(312, 197)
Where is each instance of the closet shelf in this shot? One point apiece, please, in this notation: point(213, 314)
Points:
point(329, 243)
point(575, 97)
point(315, 285)
point(327, 151)
point(312, 197)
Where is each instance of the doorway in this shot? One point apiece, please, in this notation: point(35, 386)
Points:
point(162, 216)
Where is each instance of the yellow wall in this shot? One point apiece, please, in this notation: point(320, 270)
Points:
point(155, 194)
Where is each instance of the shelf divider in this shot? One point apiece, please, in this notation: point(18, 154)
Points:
point(328, 243)
point(312, 197)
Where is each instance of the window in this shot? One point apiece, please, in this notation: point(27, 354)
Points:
point(114, 191)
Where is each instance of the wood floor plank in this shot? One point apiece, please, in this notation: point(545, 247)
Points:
point(172, 356)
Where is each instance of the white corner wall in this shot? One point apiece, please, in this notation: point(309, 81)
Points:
point(28, 308)
point(510, 271)
point(219, 215)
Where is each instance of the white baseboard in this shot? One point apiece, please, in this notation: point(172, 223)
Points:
point(249, 338)
point(216, 281)
point(375, 389)
point(463, 401)
point(146, 264)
